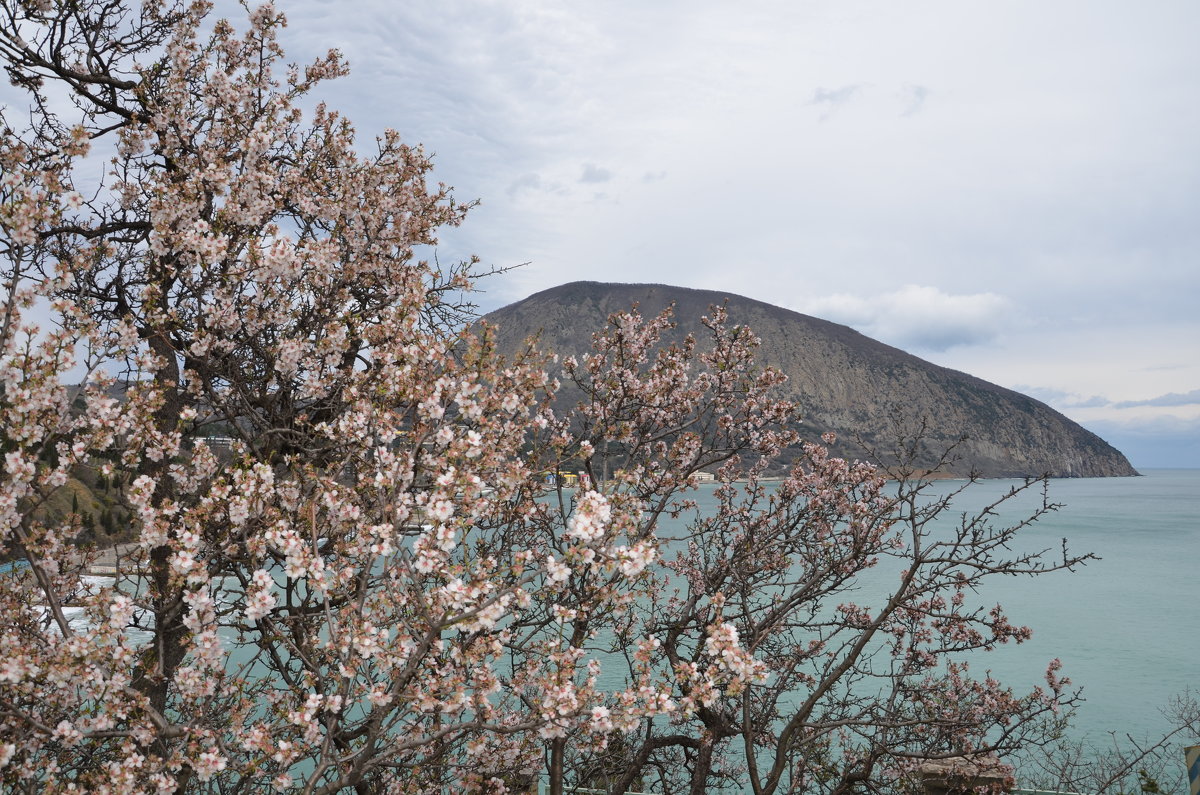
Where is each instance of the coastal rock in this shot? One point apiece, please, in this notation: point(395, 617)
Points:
point(868, 393)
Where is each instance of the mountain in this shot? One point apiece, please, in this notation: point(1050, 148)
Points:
point(843, 381)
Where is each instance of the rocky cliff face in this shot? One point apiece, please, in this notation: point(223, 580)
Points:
point(844, 382)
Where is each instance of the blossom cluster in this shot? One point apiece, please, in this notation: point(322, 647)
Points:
point(344, 568)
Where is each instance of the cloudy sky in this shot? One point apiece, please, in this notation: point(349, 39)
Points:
point(1010, 189)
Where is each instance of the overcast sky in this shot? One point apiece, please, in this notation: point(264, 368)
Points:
point(1010, 189)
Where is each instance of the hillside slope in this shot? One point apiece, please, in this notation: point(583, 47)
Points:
point(844, 381)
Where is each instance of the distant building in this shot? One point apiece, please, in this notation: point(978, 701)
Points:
point(567, 479)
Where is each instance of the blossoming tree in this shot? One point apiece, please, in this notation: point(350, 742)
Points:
point(372, 589)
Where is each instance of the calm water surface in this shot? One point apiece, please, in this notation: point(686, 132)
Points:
point(1126, 626)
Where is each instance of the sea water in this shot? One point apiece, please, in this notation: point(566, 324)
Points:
point(1126, 625)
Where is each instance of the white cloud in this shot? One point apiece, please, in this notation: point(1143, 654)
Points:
point(834, 98)
point(917, 317)
point(1171, 399)
point(523, 183)
point(595, 173)
point(1166, 441)
point(1046, 203)
point(914, 97)
point(1061, 399)
point(1157, 432)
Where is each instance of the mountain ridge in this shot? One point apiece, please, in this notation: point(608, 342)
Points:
point(843, 381)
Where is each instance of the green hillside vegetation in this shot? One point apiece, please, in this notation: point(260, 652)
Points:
point(93, 503)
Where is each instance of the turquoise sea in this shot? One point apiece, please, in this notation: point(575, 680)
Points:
point(1126, 626)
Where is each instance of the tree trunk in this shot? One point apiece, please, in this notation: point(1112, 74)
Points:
point(703, 766)
point(557, 751)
